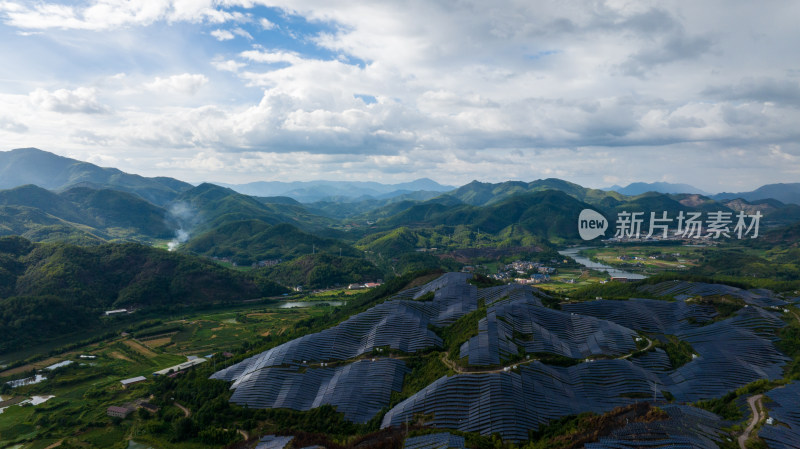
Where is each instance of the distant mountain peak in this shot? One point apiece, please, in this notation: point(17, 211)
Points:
point(638, 188)
point(784, 192)
point(47, 170)
point(311, 191)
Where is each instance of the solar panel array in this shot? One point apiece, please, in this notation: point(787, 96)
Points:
point(511, 403)
point(295, 375)
point(510, 292)
point(394, 324)
point(540, 329)
point(444, 440)
point(273, 442)
point(785, 409)
point(732, 353)
point(397, 323)
point(651, 316)
point(359, 389)
point(656, 361)
point(686, 428)
point(494, 340)
point(273, 379)
point(686, 289)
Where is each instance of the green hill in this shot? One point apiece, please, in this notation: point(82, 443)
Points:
point(113, 209)
point(480, 194)
point(80, 215)
point(549, 214)
point(39, 226)
point(322, 270)
point(248, 241)
point(396, 241)
point(211, 206)
point(47, 290)
point(33, 166)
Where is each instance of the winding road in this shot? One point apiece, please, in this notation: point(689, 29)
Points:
point(185, 410)
point(754, 402)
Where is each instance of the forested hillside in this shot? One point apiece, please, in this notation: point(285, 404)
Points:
point(47, 290)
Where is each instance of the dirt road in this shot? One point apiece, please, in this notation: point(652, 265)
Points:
point(754, 402)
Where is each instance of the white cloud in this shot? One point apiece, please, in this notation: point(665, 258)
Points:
point(266, 24)
point(243, 33)
point(108, 14)
point(272, 56)
point(80, 100)
point(227, 35)
point(222, 35)
point(14, 126)
point(228, 65)
point(519, 88)
point(186, 83)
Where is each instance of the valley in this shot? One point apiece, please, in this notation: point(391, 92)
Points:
point(341, 320)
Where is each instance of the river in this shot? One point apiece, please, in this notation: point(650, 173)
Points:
point(613, 272)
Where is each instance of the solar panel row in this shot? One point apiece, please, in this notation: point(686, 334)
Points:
point(359, 390)
point(273, 379)
point(784, 408)
point(732, 353)
point(443, 440)
point(651, 316)
point(397, 323)
point(525, 324)
point(512, 403)
point(685, 289)
point(686, 428)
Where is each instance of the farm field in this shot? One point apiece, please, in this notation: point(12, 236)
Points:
point(647, 259)
point(570, 279)
point(79, 394)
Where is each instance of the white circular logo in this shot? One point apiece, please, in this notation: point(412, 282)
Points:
point(591, 224)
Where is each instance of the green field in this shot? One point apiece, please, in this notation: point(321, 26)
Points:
point(83, 391)
point(569, 279)
point(647, 259)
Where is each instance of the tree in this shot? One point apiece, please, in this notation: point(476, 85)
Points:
point(183, 429)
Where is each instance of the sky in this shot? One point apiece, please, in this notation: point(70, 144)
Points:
point(594, 92)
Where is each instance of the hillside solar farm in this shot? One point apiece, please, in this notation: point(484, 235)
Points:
point(524, 364)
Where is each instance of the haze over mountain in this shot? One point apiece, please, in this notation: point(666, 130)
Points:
point(310, 191)
point(33, 166)
point(786, 193)
point(638, 188)
point(90, 205)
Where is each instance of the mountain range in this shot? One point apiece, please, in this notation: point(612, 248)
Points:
point(638, 188)
point(786, 193)
point(310, 191)
point(47, 170)
point(77, 202)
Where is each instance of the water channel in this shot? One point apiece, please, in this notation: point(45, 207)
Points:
point(613, 272)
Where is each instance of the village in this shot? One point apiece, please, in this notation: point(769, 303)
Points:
point(524, 272)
